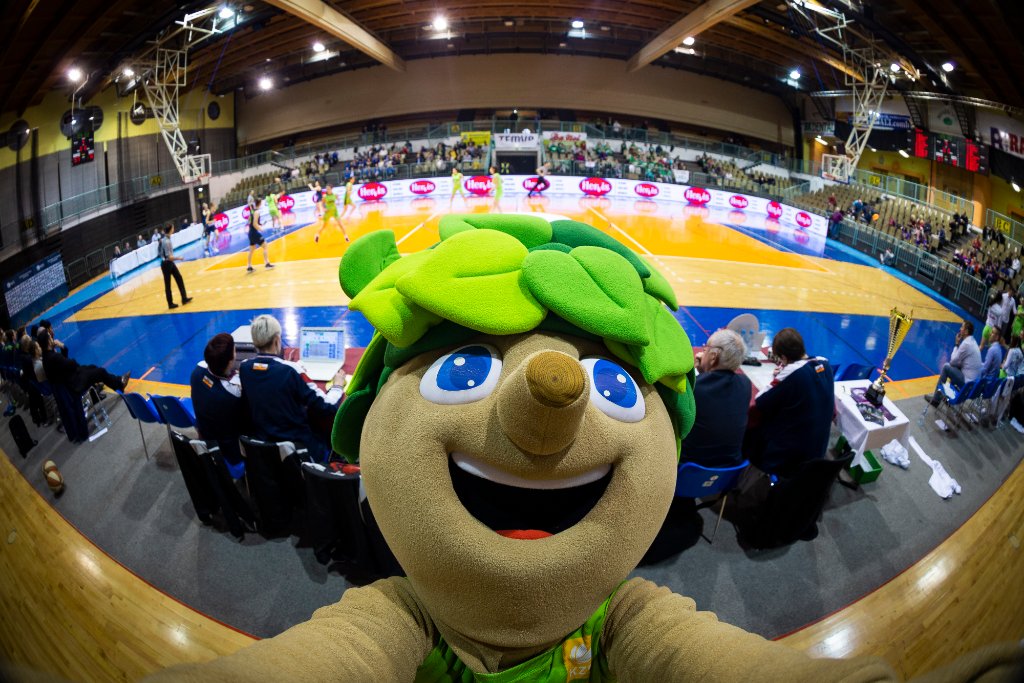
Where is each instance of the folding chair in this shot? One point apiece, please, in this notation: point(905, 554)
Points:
point(142, 410)
point(699, 482)
point(236, 508)
point(954, 402)
point(174, 411)
point(272, 471)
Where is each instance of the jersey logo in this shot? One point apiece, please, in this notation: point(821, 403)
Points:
point(260, 367)
point(208, 382)
point(577, 656)
point(819, 368)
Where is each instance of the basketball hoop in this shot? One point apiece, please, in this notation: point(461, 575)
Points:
point(835, 167)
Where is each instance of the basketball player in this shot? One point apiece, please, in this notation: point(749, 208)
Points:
point(457, 185)
point(256, 237)
point(274, 209)
point(542, 181)
point(499, 188)
point(330, 213)
point(209, 229)
point(348, 205)
point(318, 199)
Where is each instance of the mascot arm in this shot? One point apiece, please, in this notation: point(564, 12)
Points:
point(375, 633)
point(652, 634)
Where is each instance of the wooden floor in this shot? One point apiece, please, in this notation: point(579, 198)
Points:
point(68, 609)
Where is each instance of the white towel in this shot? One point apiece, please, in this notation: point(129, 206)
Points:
point(940, 481)
point(895, 454)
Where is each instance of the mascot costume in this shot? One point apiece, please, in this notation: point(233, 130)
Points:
point(517, 417)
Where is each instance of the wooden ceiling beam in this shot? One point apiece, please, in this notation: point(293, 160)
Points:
point(325, 17)
point(787, 42)
point(702, 18)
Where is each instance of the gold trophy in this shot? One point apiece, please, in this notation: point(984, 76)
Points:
point(899, 325)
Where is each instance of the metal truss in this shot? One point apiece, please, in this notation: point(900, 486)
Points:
point(161, 73)
point(867, 75)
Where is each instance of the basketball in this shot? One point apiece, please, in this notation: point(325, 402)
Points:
point(53, 478)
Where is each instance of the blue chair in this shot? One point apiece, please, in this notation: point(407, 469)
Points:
point(174, 411)
point(142, 410)
point(696, 481)
point(990, 388)
point(955, 400)
point(854, 371)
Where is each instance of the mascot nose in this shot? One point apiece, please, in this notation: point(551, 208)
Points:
point(541, 405)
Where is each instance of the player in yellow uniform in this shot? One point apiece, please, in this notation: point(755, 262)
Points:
point(330, 213)
point(348, 204)
point(457, 185)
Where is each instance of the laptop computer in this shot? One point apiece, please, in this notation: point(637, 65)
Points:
point(321, 351)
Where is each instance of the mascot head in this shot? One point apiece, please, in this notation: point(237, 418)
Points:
point(517, 417)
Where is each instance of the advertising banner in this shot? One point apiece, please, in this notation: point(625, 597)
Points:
point(516, 141)
point(481, 138)
point(561, 136)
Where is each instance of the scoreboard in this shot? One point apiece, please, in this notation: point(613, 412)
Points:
point(951, 150)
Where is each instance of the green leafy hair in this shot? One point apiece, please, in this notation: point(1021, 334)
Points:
point(506, 274)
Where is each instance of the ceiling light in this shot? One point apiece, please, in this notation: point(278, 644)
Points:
point(509, 22)
point(685, 51)
point(795, 74)
point(605, 27)
point(74, 74)
point(451, 45)
point(318, 47)
point(91, 118)
point(688, 41)
point(873, 149)
point(266, 83)
point(562, 44)
point(948, 66)
point(820, 140)
point(440, 23)
point(894, 67)
point(577, 24)
point(226, 12)
point(903, 153)
point(129, 72)
point(1015, 186)
point(74, 121)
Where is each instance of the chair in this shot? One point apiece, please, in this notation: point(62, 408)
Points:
point(142, 410)
point(793, 504)
point(1003, 401)
point(748, 327)
point(990, 388)
point(854, 371)
point(275, 482)
point(72, 413)
point(197, 481)
point(954, 401)
point(175, 412)
point(334, 526)
point(236, 509)
point(699, 482)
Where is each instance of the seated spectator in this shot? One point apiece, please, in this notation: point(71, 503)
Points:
point(964, 363)
point(993, 355)
point(716, 438)
point(67, 372)
point(27, 380)
point(141, 242)
point(1013, 364)
point(795, 410)
point(283, 404)
point(221, 412)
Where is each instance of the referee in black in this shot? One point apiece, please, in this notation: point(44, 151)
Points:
point(168, 267)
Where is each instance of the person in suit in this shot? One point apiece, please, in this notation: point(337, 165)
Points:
point(66, 371)
point(795, 410)
point(723, 400)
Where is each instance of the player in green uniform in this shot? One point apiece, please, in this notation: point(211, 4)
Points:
point(457, 184)
point(499, 188)
point(348, 205)
point(274, 209)
point(330, 213)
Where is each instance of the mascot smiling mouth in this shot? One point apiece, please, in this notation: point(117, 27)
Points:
point(520, 508)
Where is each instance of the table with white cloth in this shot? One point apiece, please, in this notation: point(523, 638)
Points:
point(862, 434)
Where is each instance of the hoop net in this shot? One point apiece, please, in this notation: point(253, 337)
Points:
point(835, 167)
point(197, 169)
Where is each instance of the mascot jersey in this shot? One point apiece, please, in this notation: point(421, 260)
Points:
point(577, 658)
point(517, 417)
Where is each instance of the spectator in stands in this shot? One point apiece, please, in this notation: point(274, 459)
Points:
point(141, 242)
point(221, 412)
point(993, 316)
point(795, 410)
point(284, 405)
point(834, 221)
point(833, 204)
point(27, 380)
point(716, 438)
point(55, 343)
point(77, 378)
point(1013, 364)
point(156, 235)
point(964, 363)
point(993, 355)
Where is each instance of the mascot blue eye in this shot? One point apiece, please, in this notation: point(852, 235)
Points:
point(613, 391)
point(462, 376)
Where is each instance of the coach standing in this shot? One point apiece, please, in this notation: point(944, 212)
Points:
point(169, 268)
